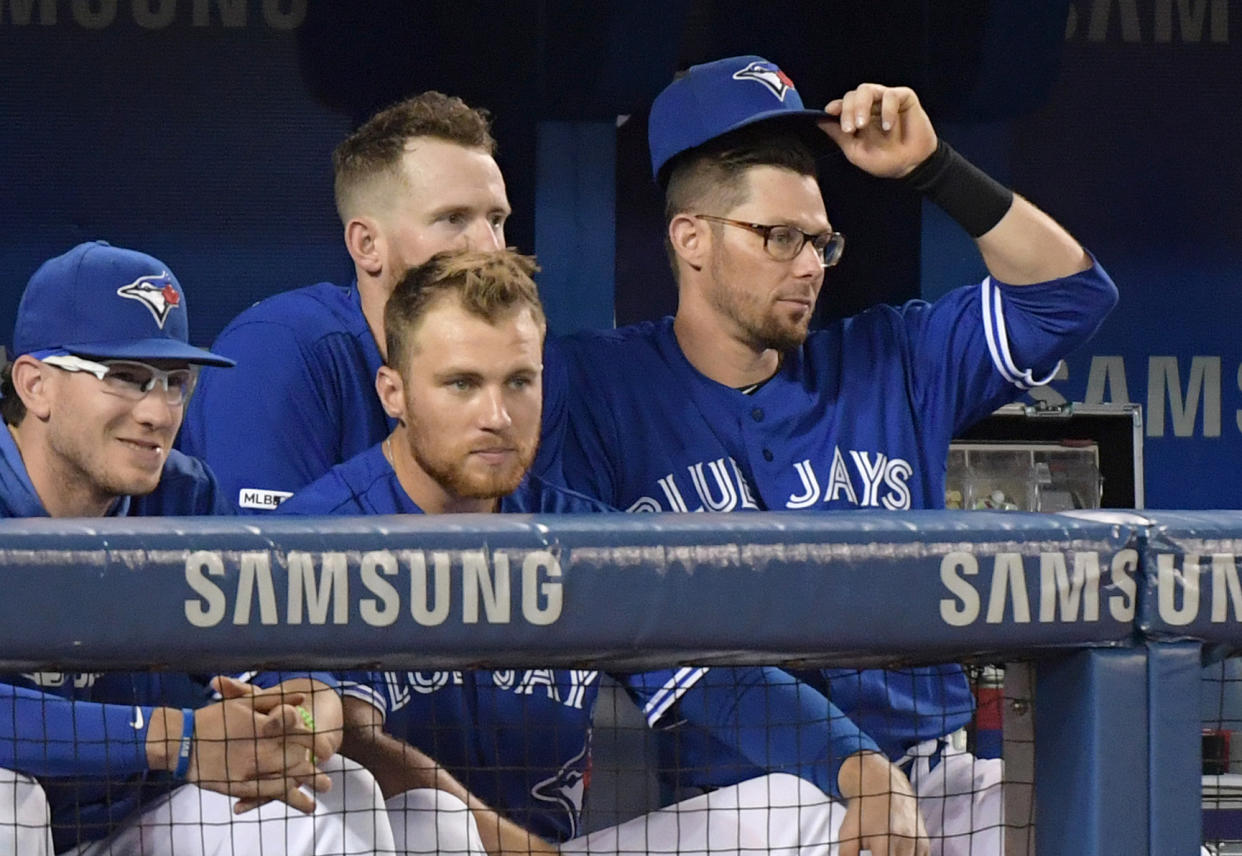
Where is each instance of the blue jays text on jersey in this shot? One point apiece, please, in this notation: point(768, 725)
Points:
point(518, 740)
point(860, 416)
point(522, 741)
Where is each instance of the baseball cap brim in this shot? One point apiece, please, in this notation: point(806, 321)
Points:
point(713, 99)
point(147, 349)
point(805, 123)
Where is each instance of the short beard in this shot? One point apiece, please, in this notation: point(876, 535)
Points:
point(453, 480)
point(75, 469)
point(767, 333)
point(777, 337)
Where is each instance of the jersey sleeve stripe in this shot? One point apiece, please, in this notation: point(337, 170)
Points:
point(667, 695)
point(367, 694)
point(998, 339)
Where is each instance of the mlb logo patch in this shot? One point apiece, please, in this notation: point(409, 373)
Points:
point(769, 75)
point(156, 292)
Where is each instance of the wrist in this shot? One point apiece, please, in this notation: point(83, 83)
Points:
point(963, 191)
point(164, 726)
point(185, 745)
point(865, 773)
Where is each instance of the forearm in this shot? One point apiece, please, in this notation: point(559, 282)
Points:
point(323, 703)
point(776, 722)
point(399, 767)
point(46, 735)
point(1027, 246)
point(1020, 244)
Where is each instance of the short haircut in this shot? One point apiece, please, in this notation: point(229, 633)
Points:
point(711, 178)
point(12, 408)
point(488, 284)
point(372, 154)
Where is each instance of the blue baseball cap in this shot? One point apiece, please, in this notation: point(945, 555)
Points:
point(718, 97)
point(109, 303)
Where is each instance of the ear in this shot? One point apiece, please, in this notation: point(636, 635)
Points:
point(32, 385)
point(391, 391)
point(365, 241)
point(690, 239)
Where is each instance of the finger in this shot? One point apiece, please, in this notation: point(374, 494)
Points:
point(283, 719)
point(867, 99)
point(319, 781)
point(243, 806)
point(851, 841)
point(833, 107)
point(890, 107)
point(835, 130)
point(299, 799)
point(301, 772)
point(231, 687)
point(848, 111)
point(907, 98)
point(272, 788)
point(267, 702)
point(294, 797)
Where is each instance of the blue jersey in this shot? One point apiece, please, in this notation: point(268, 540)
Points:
point(520, 740)
point(367, 484)
point(301, 399)
point(187, 487)
point(84, 736)
point(861, 416)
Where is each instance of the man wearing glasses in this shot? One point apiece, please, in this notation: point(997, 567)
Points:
point(145, 763)
point(733, 405)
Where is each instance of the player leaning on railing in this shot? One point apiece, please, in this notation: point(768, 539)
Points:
point(146, 763)
point(733, 405)
point(463, 379)
point(417, 178)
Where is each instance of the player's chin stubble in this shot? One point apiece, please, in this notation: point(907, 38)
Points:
point(453, 476)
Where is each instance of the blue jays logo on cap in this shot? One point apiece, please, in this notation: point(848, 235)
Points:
point(715, 98)
point(82, 302)
point(767, 74)
point(154, 292)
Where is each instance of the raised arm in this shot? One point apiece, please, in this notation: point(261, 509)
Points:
point(885, 131)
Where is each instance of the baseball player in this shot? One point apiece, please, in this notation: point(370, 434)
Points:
point(147, 763)
point(464, 334)
point(415, 179)
point(732, 405)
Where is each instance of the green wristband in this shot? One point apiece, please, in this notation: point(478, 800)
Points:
point(308, 719)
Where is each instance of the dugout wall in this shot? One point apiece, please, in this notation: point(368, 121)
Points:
point(1113, 608)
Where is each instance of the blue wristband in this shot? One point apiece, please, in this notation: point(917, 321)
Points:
point(187, 742)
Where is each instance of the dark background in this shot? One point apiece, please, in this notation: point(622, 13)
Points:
point(201, 130)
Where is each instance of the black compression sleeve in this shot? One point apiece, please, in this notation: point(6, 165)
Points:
point(963, 191)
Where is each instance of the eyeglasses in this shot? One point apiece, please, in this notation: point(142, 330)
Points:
point(784, 243)
point(131, 380)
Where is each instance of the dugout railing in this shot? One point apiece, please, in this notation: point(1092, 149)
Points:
point(1113, 609)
